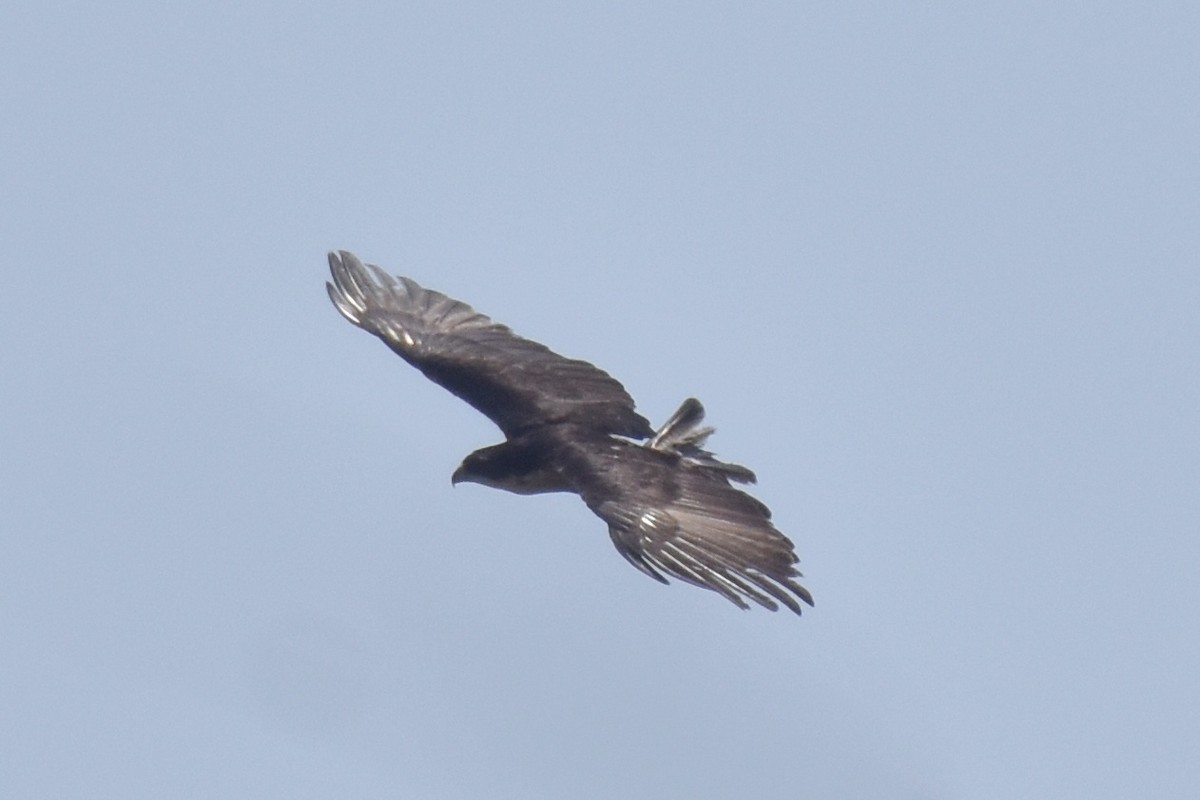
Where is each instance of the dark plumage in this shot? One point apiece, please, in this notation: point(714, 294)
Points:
point(669, 504)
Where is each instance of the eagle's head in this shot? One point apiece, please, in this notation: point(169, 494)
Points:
point(514, 466)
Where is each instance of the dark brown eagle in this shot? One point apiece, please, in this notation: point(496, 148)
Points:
point(570, 427)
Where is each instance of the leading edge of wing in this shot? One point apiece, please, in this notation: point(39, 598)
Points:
point(516, 382)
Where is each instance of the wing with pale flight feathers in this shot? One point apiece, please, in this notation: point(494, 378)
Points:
point(518, 383)
point(670, 514)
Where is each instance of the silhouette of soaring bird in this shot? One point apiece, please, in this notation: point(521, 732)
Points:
point(670, 505)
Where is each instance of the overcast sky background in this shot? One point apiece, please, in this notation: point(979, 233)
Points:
point(933, 270)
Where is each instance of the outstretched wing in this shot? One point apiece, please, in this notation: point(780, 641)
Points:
point(517, 383)
point(669, 516)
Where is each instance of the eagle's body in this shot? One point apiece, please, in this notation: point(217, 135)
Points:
point(570, 427)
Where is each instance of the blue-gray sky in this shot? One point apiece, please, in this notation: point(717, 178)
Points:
point(933, 269)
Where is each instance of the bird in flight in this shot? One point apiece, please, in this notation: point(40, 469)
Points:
point(670, 505)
